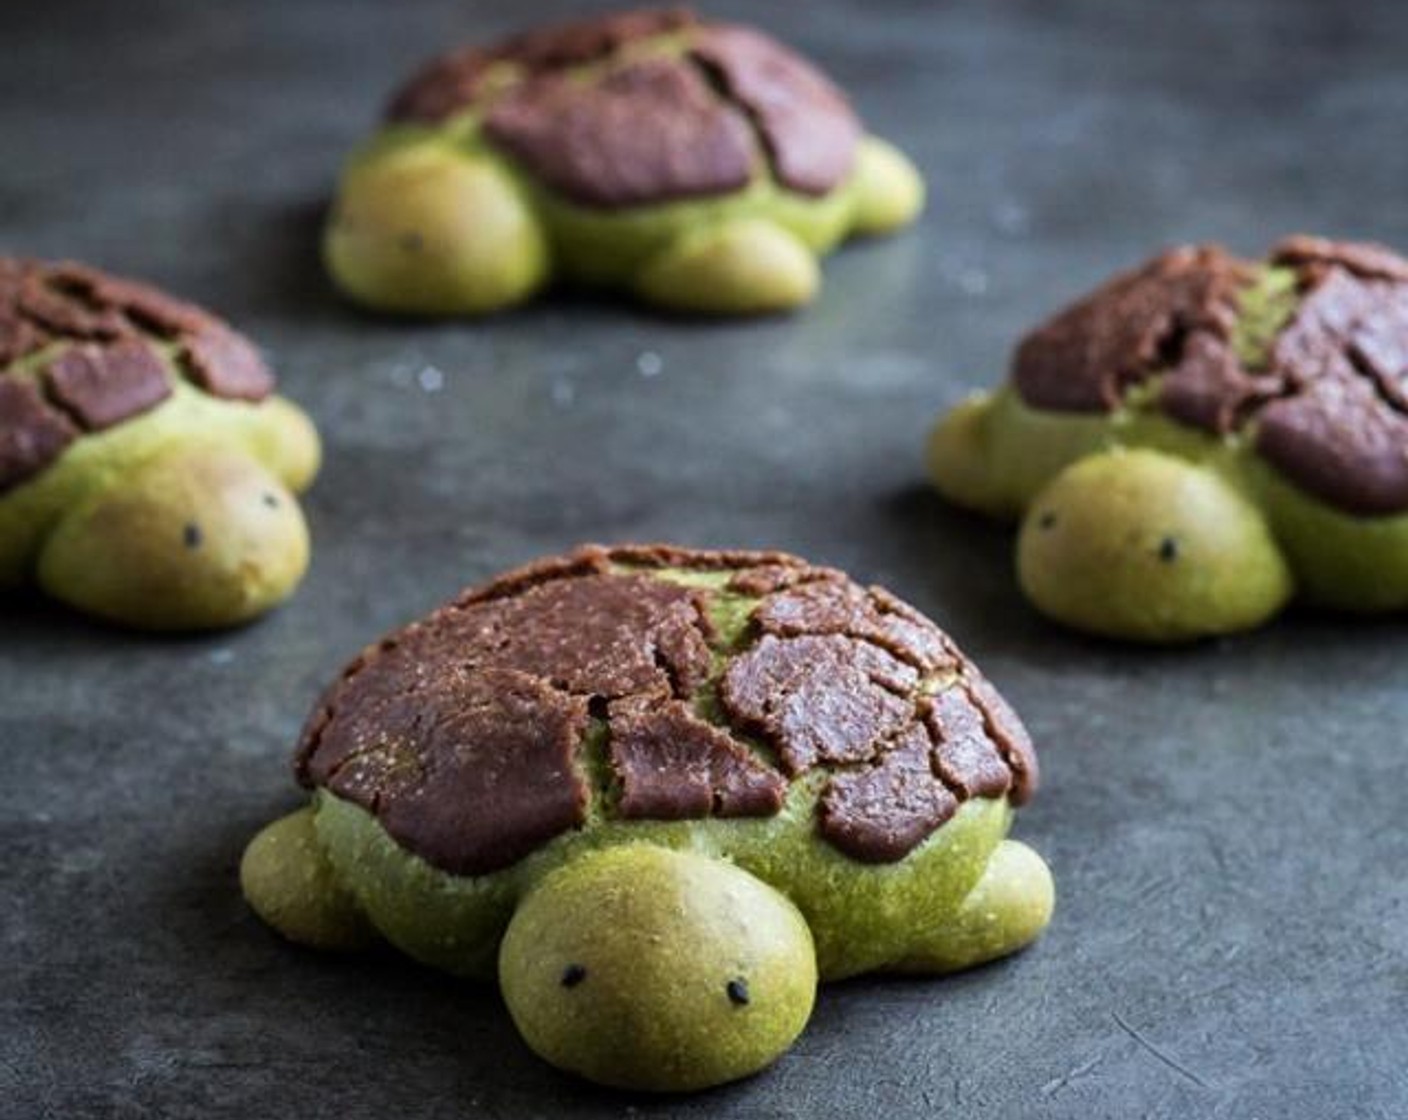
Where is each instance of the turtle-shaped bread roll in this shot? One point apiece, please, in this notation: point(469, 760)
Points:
point(147, 469)
point(1201, 440)
point(660, 792)
point(700, 166)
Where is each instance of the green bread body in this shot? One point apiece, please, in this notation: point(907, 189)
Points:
point(663, 919)
point(862, 917)
point(181, 518)
point(435, 221)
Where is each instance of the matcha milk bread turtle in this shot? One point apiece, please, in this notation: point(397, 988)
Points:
point(700, 166)
point(147, 469)
point(1202, 440)
point(660, 793)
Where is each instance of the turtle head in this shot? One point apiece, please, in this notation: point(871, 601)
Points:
point(423, 227)
point(195, 538)
point(647, 968)
point(1150, 547)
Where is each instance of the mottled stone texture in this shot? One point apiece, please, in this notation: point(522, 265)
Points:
point(1225, 825)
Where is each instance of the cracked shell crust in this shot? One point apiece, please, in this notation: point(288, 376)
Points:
point(662, 684)
point(1325, 398)
point(645, 107)
point(82, 351)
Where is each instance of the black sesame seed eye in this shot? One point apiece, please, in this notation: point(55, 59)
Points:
point(737, 992)
point(573, 975)
point(1168, 550)
point(191, 535)
point(270, 500)
point(1048, 520)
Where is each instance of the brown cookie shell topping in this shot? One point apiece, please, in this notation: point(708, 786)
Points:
point(673, 765)
point(653, 713)
point(1362, 258)
point(32, 432)
point(563, 45)
point(1329, 407)
point(807, 126)
point(649, 131)
point(100, 386)
point(454, 81)
point(99, 347)
point(1085, 358)
point(1339, 441)
point(645, 107)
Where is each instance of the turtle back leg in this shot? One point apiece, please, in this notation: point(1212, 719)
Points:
point(1007, 910)
point(737, 266)
point(290, 883)
point(647, 968)
point(430, 227)
point(1341, 561)
point(195, 537)
point(889, 192)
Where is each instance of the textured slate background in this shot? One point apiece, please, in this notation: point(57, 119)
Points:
point(1225, 823)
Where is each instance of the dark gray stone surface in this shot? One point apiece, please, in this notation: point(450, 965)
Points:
point(1225, 823)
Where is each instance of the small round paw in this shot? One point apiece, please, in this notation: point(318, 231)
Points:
point(1149, 547)
point(889, 190)
point(1009, 909)
point(957, 458)
point(744, 267)
point(289, 883)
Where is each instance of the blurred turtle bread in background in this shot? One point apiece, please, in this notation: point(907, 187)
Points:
point(147, 469)
point(658, 793)
point(1201, 440)
point(701, 166)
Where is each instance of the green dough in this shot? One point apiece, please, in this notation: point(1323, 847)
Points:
point(645, 968)
point(1012, 902)
point(190, 508)
point(1144, 545)
point(862, 916)
point(744, 266)
point(995, 454)
point(434, 221)
point(963, 897)
point(889, 192)
point(293, 888)
point(419, 230)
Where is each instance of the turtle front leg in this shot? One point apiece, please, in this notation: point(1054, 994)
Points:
point(746, 266)
point(1150, 547)
point(287, 880)
point(646, 968)
point(429, 228)
point(1006, 911)
point(195, 538)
